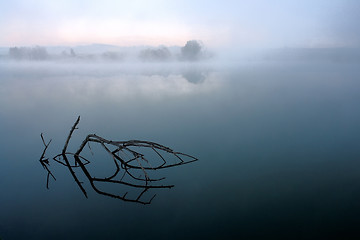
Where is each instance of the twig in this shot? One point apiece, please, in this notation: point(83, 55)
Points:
point(45, 161)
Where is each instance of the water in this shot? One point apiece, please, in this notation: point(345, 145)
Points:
point(278, 145)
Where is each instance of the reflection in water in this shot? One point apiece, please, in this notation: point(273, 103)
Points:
point(28, 86)
point(132, 167)
point(194, 76)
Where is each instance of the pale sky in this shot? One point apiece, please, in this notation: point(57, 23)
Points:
point(244, 23)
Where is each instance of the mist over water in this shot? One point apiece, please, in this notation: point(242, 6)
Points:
point(277, 144)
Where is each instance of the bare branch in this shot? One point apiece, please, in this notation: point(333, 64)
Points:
point(45, 161)
point(125, 169)
point(71, 132)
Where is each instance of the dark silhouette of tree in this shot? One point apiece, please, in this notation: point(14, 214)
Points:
point(156, 54)
point(15, 53)
point(132, 168)
point(191, 51)
point(27, 53)
point(72, 53)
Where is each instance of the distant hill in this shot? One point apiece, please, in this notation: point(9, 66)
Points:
point(101, 48)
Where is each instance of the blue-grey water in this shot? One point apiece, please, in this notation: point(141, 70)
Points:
point(278, 146)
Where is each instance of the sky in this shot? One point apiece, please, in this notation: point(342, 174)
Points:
point(217, 23)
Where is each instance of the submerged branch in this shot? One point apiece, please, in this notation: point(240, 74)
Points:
point(124, 169)
point(71, 132)
point(45, 161)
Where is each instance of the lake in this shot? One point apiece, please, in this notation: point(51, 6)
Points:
point(277, 142)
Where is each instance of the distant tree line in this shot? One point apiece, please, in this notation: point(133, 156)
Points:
point(28, 53)
point(192, 51)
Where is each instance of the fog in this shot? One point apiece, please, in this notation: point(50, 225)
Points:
point(193, 52)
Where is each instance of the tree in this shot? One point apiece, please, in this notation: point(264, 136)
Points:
point(156, 54)
point(191, 51)
point(38, 53)
point(27, 53)
point(132, 168)
point(15, 53)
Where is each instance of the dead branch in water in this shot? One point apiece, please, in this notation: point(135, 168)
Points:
point(126, 168)
point(45, 161)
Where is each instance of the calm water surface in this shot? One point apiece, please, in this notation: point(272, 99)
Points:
point(278, 145)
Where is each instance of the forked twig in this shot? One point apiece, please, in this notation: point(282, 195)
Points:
point(45, 161)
